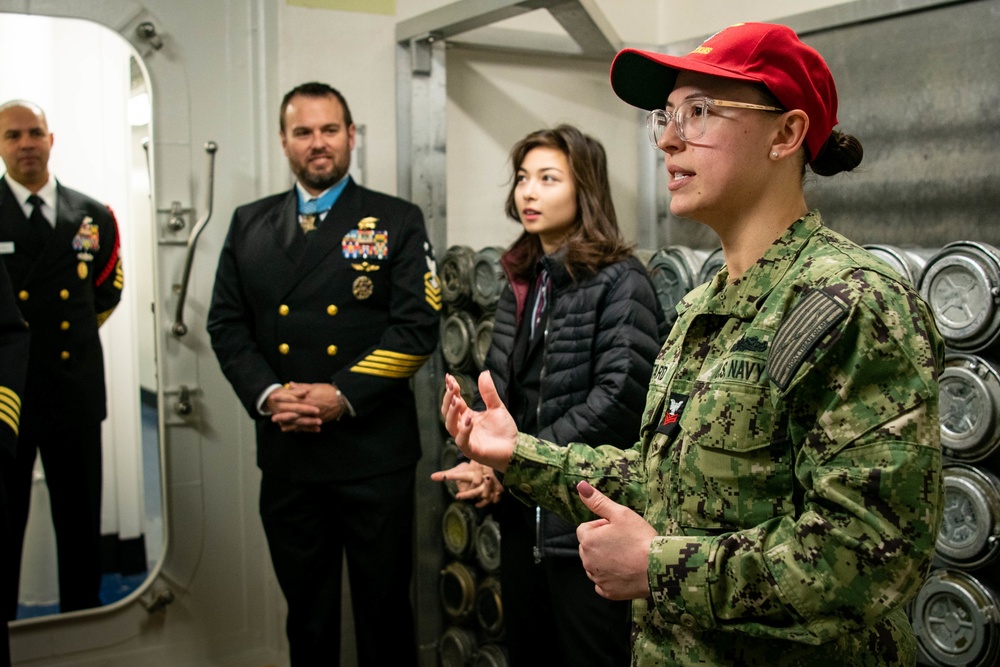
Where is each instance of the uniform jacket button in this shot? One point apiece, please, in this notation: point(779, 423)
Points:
point(64, 355)
point(64, 294)
point(526, 488)
point(282, 309)
point(64, 325)
point(332, 310)
point(687, 620)
point(331, 350)
point(283, 348)
point(23, 295)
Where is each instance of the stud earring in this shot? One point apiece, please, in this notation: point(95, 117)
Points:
point(774, 153)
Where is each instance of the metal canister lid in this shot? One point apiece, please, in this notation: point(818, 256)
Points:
point(449, 455)
point(969, 411)
point(458, 525)
point(969, 536)
point(955, 620)
point(909, 264)
point(457, 587)
point(457, 333)
point(961, 282)
point(455, 274)
point(491, 655)
point(482, 339)
point(457, 646)
point(673, 271)
point(489, 607)
point(487, 544)
point(714, 261)
point(488, 278)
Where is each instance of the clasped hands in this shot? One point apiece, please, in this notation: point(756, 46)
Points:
point(614, 548)
point(304, 407)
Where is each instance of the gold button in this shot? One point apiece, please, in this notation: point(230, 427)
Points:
point(283, 348)
point(332, 310)
point(282, 309)
point(64, 325)
point(64, 355)
point(64, 294)
point(331, 350)
point(23, 295)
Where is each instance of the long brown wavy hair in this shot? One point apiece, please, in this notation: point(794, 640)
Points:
point(596, 240)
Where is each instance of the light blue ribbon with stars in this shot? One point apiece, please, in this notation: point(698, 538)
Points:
point(323, 203)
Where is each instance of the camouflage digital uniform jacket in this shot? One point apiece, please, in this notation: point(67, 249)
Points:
point(789, 459)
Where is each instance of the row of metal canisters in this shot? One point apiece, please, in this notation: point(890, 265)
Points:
point(956, 615)
point(469, 584)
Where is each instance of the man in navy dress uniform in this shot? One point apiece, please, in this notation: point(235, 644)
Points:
point(326, 303)
point(14, 343)
point(60, 248)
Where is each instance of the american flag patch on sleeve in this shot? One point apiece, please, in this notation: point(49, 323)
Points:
point(816, 314)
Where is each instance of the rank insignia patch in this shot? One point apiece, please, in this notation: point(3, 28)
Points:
point(671, 415)
point(366, 242)
point(432, 290)
point(87, 240)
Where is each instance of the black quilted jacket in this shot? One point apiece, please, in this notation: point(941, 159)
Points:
point(602, 336)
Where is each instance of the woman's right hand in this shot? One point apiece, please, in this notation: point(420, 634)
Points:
point(474, 481)
point(488, 436)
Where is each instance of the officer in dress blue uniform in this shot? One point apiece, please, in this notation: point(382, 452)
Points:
point(326, 303)
point(14, 343)
point(60, 248)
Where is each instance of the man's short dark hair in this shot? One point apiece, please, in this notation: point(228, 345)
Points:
point(314, 89)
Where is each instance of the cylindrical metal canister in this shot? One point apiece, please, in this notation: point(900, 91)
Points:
point(487, 544)
point(458, 528)
point(491, 655)
point(909, 263)
point(673, 271)
point(457, 647)
point(488, 278)
point(961, 282)
point(447, 461)
point(969, 536)
point(969, 411)
point(457, 333)
point(482, 339)
point(455, 274)
point(457, 587)
point(955, 618)
point(489, 607)
point(711, 265)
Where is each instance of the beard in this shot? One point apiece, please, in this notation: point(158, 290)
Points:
point(320, 180)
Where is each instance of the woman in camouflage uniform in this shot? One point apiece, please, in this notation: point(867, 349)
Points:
point(781, 503)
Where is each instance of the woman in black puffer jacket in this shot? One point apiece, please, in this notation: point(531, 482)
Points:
point(574, 337)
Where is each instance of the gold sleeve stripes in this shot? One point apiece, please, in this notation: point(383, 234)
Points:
point(10, 408)
point(102, 317)
point(385, 363)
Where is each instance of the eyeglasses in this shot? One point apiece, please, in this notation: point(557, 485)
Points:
point(690, 118)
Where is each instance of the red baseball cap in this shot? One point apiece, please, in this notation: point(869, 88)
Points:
point(766, 53)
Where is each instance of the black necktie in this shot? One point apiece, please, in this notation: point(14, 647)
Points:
point(36, 218)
